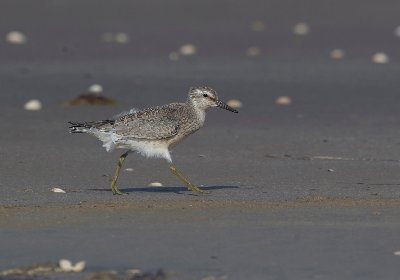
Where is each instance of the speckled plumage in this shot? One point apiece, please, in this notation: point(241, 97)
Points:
point(153, 131)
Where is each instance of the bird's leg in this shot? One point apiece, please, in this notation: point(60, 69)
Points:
point(114, 187)
point(190, 186)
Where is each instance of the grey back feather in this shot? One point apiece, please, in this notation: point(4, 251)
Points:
point(153, 123)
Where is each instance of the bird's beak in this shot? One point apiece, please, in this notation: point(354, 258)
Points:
point(222, 105)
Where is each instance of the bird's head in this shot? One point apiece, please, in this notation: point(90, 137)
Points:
point(204, 97)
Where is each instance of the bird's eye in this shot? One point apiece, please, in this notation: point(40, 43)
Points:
point(205, 95)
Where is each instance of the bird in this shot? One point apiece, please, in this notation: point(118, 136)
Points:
point(154, 131)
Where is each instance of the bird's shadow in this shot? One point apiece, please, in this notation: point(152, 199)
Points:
point(176, 190)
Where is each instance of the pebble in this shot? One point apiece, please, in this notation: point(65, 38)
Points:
point(33, 105)
point(234, 103)
point(134, 271)
point(16, 37)
point(283, 100)
point(253, 51)
point(95, 88)
point(188, 49)
point(337, 54)
point(301, 29)
point(129, 169)
point(331, 170)
point(79, 266)
point(58, 190)
point(155, 184)
point(121, 38)
point(257, 26)
point(380, 58)
point(396, 253)
point(67, 266)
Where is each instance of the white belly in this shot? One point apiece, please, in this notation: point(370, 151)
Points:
point(146, 148)
point(155, 148)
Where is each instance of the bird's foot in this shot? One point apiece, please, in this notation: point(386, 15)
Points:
point(196, 189)
point(190, 186)
point(115, 191)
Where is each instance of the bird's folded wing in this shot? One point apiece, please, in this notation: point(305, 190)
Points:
point(151, 128)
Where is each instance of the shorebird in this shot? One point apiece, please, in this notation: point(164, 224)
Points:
point(152, 132)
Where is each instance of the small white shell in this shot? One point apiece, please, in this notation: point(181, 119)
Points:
point(283, 100)
point(16, 37)
point(58, 190)
point(301, 29)
point(234, 103)
point(188, 49)
point(129, 169)
point(95, 88)
point(337, 54)
point(121, 38)
point(253, 51)
point(79, 266)
point(380, 58)
point(155, 184)
point(33, 105)
point(65, 265)
point(134, 271)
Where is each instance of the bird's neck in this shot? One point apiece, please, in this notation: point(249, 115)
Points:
point(198, 112)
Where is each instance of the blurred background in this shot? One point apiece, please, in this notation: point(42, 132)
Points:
point(144, 52)
point(258, 49)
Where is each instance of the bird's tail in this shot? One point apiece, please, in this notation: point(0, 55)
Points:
point(82, 127)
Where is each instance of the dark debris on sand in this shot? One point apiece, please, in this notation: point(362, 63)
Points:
point(90, 99)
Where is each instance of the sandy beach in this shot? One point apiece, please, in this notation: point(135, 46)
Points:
point(306, 190)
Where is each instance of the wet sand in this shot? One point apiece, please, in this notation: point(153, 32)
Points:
point(308, 190)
